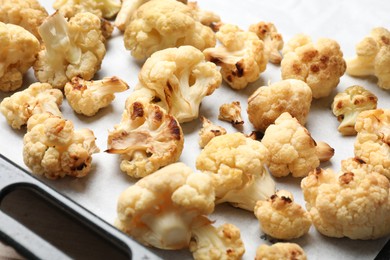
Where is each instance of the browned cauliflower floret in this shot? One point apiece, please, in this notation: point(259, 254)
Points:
point(18, 52)
point(279, 251)
point(291, 147)
point(236, 165)
point(52, 148)
point(37, 98)
point(26, 13)
point(161, 209)
point(282, 218)
point(71, 49)
point(161, 24)
point(320, 65)
point(205, 17)
point(273, 41)
point(372, 143)
point(179, 78)
point(242, 56)
point(209, 131)
point(348, 104)
point(354, 204)
point(87, 97)
point(268, 102)
point(373, 57)
point(147, 139)
point(231, 112)
point(100, 8)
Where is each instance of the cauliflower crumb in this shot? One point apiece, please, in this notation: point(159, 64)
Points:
point(231, 112)
point(209, 131)
point(280, 251)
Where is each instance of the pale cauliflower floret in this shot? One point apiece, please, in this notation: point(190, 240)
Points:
point(242, 56)
point(147, 139)
point(37, 98)
point(372, 143)
point(209, 131)
point(231, 112)
point(18, 52)
point(216, 243)
point(268, 102)
point(279, 251)
point(100, 8)
point(348, 104)
point(273, 41)
point(320, 65)
point(236, 165)
point(373, 57)
point(353, 204)
point(282, 218)
point(71, 49)
point(161, 209)
point(161, 24)
point(87, 97)
point(53, 149)
point(28, 14)
point(291, 146)
point(180, 78)
point(205, 17)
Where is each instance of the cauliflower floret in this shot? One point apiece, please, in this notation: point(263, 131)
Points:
point(71, 49)
point(273, 41)
point(147, 139)
point(37, 98)
point(292, 148)
point(231, 112)
point(53, 149)
point(180, 78)
point(268, 103)
point(348, 104)
point(18, 52)
point(211, 243)
point(161, 24)
point(87, 97)
point(372, 143)
point(205, 17)
point(320, 65)
point(26, 13)
point(280, 251)
point(236, 165)
point(161, 209)
point(282, 218)
point(373, 57)
point(242, 56)
point(101, 8)
point(209, 131)
point(353, 204)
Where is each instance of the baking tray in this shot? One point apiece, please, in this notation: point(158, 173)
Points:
point(345, 21)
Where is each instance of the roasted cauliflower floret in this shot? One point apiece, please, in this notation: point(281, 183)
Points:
point(161, 24)
point(18, 52)
point(28, 14)
point(292, 148)
point(147, 139)
point(209, 131)
point(348, 104)
point(161, 209)
point(282, 218)
point(87, 97)
point(37, 98)
point(205, 17)
point(268, 102)
point(53, 148)
point(373, 57)
point(211, 243)
point(231, 112)
point(101, 8)
point(180, 78)
point(71, 49)
point(320, 65)
point(273, 41)
point(236, 165)
point(280, 251)
point(242, 56)
point(372, 143)
point(353, 204)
